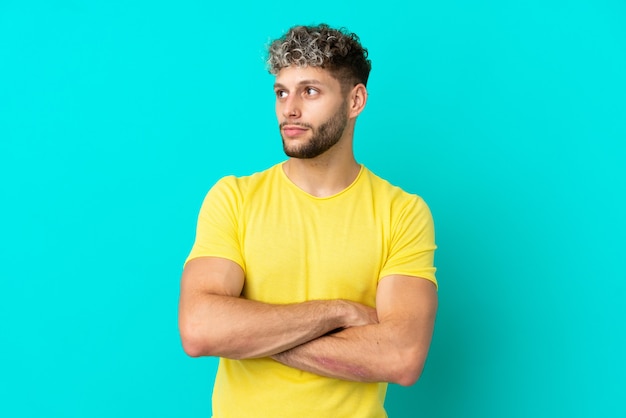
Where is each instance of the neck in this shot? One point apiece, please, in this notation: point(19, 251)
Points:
point(325, 175)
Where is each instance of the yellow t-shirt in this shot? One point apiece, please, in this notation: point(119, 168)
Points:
point(295, 247)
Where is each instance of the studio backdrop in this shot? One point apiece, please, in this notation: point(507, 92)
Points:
point(508, 118)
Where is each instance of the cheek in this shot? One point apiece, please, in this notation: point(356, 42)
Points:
point(319, 111)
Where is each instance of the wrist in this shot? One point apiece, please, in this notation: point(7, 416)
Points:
point(345, 314)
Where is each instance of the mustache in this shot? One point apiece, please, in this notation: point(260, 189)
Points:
point(303, 125)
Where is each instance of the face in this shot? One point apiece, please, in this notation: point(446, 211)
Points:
point(311, 110)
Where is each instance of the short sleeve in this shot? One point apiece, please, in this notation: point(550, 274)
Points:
point(217, 232)
point(412, 243)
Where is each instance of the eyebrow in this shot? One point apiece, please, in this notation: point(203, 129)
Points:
point(301, 83)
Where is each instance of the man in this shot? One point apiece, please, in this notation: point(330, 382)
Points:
point(312, 280)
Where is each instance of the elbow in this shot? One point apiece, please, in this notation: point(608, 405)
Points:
point(408, 377)
point(193, 344)
point(191, 348)
point(408, 369)
point(197, 342)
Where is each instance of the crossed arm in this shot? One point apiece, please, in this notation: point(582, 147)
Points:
point(335, 338)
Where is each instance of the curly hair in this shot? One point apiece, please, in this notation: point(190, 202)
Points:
point(336, 50)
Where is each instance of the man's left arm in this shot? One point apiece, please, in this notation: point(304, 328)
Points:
point(393, 350)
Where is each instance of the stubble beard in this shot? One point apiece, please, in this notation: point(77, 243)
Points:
point(324, 136)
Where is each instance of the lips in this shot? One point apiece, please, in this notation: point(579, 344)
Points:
point(293, 130)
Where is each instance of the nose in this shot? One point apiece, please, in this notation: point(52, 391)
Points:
point(291, 107)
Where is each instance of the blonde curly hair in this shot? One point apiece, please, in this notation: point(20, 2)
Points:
point(336, 50)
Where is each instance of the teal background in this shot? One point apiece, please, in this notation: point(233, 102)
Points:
point(509, 118)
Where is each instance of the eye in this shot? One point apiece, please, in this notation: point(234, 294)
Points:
point(281, 94)
point(310, 91)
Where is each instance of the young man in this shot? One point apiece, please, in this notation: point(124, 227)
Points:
point(312, 280)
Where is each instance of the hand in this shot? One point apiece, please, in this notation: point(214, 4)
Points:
point(358, 314)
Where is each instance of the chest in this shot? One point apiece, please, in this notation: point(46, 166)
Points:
point(296, 251)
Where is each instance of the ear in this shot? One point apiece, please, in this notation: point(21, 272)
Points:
point(356, 100)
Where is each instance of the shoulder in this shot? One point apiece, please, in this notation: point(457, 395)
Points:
point(404, 209)
point(395, 195)
point(242, 185)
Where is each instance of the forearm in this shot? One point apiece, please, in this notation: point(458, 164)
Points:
point(372, 353)
point(233, 327)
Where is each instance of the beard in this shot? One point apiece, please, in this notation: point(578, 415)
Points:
point(325, 136)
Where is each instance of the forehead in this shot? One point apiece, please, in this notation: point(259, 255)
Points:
point(294, 76)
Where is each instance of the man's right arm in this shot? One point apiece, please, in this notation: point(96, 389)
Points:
point(215, 321)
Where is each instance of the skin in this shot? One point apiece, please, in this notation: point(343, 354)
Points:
point(334, 338)
point(322, 138)
point(311, 96)
point(215, 321)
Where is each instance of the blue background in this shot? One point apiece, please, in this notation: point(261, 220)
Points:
point(509, 118)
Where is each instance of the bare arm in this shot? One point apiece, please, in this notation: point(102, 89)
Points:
point(393, 350)
point(215, 321)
